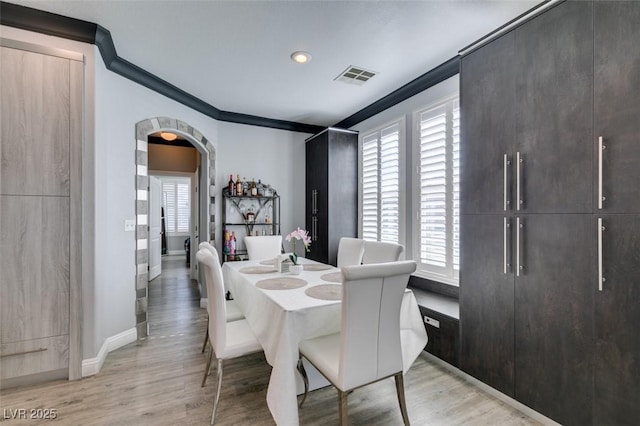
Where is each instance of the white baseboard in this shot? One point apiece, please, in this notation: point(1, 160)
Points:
point(92, 366)
point(491, 391)
point(174, 252)
point(203, 303)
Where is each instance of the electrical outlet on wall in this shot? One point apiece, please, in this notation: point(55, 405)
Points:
point(129, 225)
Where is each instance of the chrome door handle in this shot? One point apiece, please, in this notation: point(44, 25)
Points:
point(601, 278)
point(519, 266)
point(505, 181)
point(314, 201)
point(506, 264)
point(520, 161)
point(601, 148)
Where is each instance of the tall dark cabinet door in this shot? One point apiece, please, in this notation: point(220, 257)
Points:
point(486, 301)
point(554, 316)
point(617, 310)
point(617, 104)
point(316, 152)
point(487, 90)
point(554, 88)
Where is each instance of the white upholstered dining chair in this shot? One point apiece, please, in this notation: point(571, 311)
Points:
point(263, 247)
point(228, 339)
point(234, 312)
point(367, 348)
point(350, 251)
point(381, 252)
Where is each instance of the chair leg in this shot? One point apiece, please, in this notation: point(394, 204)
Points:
point(342, 408)
point(206, 339)
point(305, 379)
point(215, 401)
point(400, 391)
point(206, 370)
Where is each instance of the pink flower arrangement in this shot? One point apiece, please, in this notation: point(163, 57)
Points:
point(298, 234)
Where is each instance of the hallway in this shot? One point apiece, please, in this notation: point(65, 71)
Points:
point(157, 382)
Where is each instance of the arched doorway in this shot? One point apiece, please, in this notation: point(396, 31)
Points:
point(207, 201)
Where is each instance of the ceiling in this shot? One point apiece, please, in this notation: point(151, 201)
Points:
point(234, 55)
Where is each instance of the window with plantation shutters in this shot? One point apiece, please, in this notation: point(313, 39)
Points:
point(380, 192)
point(438, 137)
point(176, 194)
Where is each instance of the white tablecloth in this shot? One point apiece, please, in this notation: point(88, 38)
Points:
point(282, 318)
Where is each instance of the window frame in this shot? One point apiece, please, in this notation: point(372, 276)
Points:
point(402, 161)
point(448, 275)
point(175, 180)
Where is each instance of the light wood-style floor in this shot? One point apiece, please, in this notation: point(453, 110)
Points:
point(157, 382)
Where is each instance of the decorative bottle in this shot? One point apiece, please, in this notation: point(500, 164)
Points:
point(238, 186)
point(232, 186)
point(254, 188)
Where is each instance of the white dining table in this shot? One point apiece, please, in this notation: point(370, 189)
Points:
point(281, 318)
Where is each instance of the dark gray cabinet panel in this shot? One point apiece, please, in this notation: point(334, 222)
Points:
point(554, 316)
point(554, 86)
point(617, 103)
point(617, 313)
point(332, 191)
point(486, 303)
point(487, 104)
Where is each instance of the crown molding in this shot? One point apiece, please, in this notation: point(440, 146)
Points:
point(39, 21)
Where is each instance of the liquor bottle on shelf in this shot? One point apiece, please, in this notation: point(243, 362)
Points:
point(254, 188)
point(232, 186)
point(260, 188)
point(245, 187)
point(238, 186)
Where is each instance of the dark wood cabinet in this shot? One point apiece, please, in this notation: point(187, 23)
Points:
point(617, 105)
point(617, 315)
point(486, 301)
point(485, 175)
point(543, 331)
point(554, 315)
point(331, 198)
point(553, 64)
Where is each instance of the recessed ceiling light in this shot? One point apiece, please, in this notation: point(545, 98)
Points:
point(301, 57)
point(168, 136)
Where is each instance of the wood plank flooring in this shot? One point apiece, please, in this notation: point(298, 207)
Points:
point(157, 382)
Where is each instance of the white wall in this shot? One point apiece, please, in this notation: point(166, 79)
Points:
point(406, 109)
point(275, 156)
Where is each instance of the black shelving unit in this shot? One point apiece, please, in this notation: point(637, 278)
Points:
point(234, 218)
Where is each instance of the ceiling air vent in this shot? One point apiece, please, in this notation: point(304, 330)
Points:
point(355, 75)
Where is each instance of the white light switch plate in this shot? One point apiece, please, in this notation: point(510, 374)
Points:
point(129, 225)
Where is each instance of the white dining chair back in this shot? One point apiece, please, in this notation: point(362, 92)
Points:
point(228, 339)
point(368, 347)
point(381, 252)
point(263, 247)
point(350, 251)
point(208, 246)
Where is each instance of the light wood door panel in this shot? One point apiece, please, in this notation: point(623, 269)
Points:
point(34, 149)
point(34, 260)
point(34, 356)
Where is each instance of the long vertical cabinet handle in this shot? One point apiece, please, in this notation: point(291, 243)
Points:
point(601, 278)
point(601, 148)
point(505, 181)
point(519, 161)
point(314, 201)
point(519, 266)
point(506, 264)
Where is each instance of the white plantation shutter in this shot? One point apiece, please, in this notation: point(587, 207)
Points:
point(438, 190)
point(381, 184)
point(176, 194)
point(370, 187)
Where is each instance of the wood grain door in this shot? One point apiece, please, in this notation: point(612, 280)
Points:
point(40, 211)
point(486, 300)
point(617, 314)
point(554, 91)
point(554, 315)
point(617, 105)
point(316, 193)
